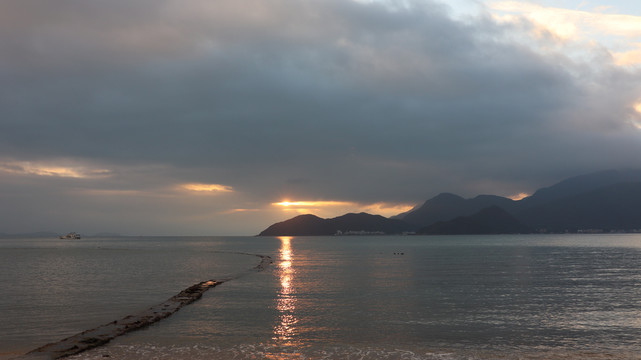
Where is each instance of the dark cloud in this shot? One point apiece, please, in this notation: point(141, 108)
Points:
point(316, 99)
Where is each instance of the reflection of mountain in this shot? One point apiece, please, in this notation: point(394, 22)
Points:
point(607, 200)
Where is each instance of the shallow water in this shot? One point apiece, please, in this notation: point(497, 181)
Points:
point(395, 297)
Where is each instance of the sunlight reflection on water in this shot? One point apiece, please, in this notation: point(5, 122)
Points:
point(285, 330)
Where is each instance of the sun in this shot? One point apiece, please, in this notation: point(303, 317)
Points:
point(287, 203)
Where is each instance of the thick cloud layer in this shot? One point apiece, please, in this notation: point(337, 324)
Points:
point(316, 100)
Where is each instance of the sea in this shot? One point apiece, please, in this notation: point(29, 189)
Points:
point(338, 297)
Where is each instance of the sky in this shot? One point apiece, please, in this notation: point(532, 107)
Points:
point(196, 117)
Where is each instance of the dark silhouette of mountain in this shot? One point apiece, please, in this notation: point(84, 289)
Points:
point(444, 207)
point(491, 220)
point(402, 215)
point(579, 184)
point(298, 226)
point(309, 225)
point(613, 207)
point(447, 206)
point(606, 200)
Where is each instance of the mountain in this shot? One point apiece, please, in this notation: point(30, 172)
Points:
point(606, 200)
point(447, 206)
point(309, 225)
point(613, 207)
point(298, 226)
point(491, 220)
point(580, 184)
point(566, 205)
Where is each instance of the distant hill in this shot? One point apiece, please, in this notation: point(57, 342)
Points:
point(589, 201)
point(613, 207)
point(606, 200)
point(491, 220)
point(309, 225)
point(446, 206)
point(580, 184)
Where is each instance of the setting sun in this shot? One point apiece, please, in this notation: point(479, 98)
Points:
point(312, 203)
point(287, 203)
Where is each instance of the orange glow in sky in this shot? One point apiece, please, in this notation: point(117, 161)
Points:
point(335, 208)
point(53, 170)
point(519, 196)
point(312, 203)
point(207, 187)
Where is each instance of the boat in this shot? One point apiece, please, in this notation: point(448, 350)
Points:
point(71, 235)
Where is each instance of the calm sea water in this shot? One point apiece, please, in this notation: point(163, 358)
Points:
point(394, 297)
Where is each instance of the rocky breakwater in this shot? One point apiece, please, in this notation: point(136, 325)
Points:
point(102, 334)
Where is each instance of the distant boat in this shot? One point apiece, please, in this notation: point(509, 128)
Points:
point(71, 235)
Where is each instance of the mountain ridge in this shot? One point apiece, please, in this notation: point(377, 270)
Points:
point(608, 200)
point(619, 209)
point(490, 220)
point(310, 225)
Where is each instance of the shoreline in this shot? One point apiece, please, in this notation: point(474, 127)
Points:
point(103, 334)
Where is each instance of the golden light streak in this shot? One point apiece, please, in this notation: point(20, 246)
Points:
point(320, 208)
point(56, 171)
point(51, 170)
point(286, 250)
point(213, 188)
point(327, 208)
point(312, 203)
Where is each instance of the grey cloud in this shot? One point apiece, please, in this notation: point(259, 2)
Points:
point(362, 102)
